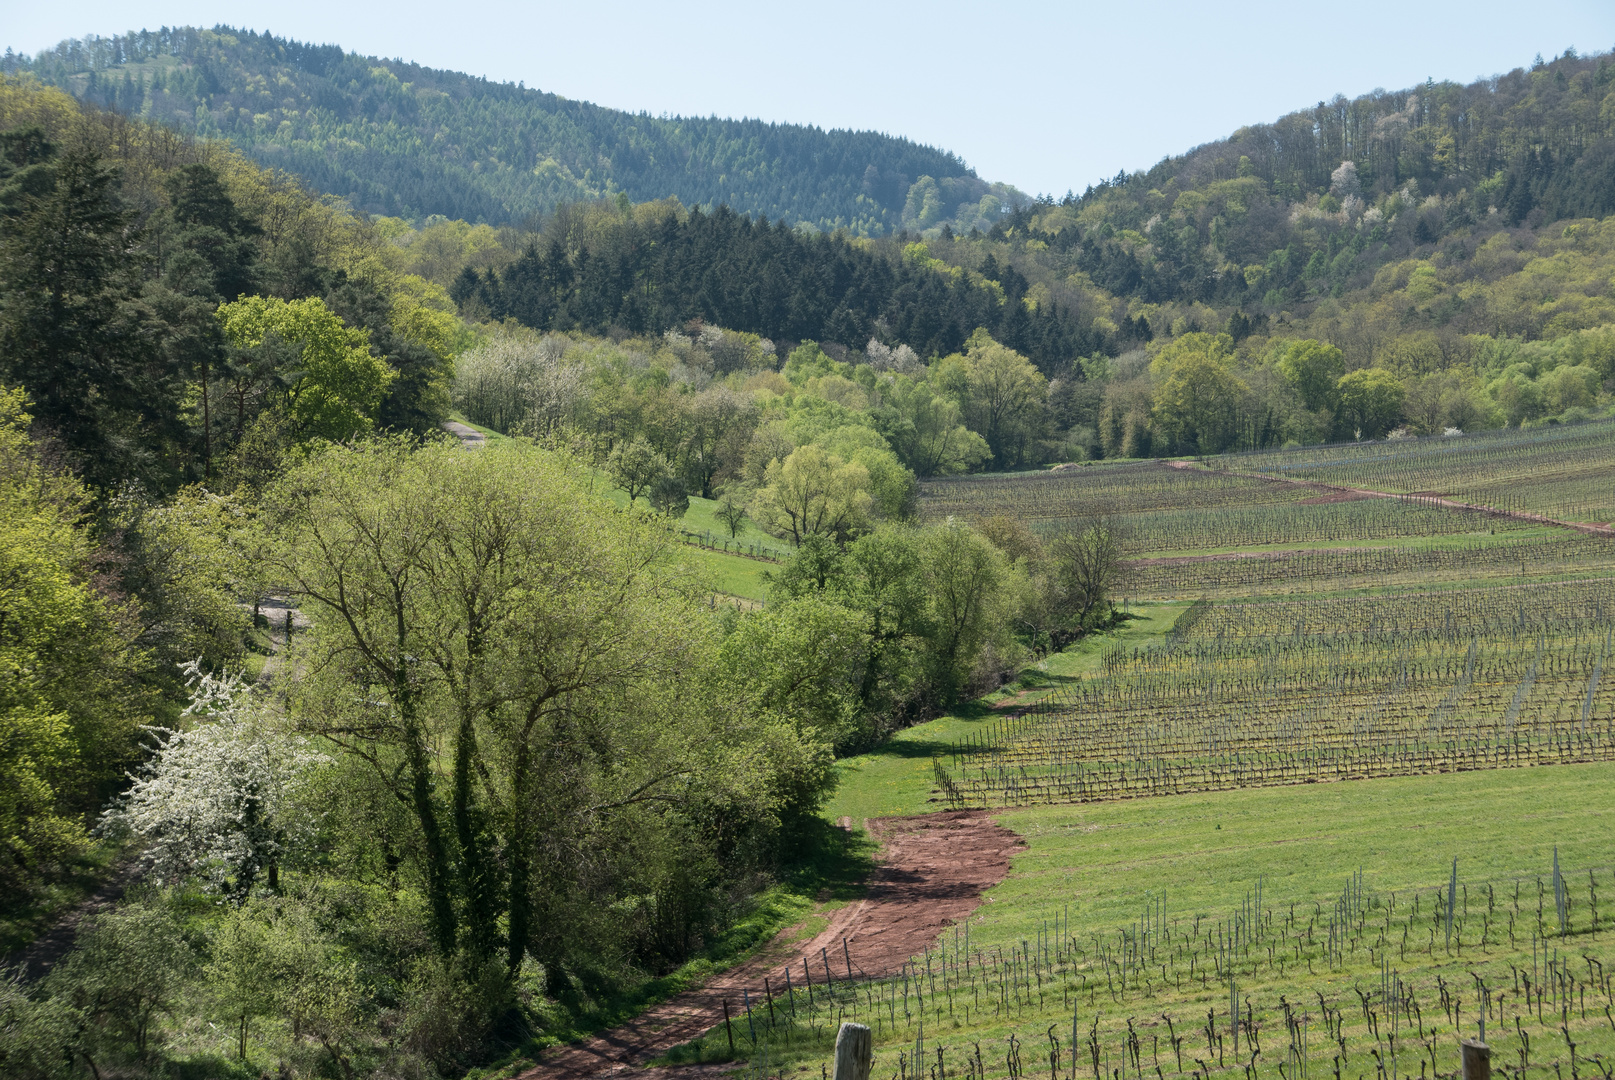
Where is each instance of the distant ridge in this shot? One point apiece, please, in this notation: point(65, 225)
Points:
point(401, 139)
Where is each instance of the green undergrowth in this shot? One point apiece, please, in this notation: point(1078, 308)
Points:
point(896, 777)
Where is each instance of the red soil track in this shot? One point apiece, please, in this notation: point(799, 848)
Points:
point(930, 874)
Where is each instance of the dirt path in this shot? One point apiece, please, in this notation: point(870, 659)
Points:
point(1426, 498)
point(469, 436)
point(931, 873)
point(36, 959)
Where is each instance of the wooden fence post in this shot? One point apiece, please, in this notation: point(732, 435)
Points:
point(855, 1052)
point(1477, 1058)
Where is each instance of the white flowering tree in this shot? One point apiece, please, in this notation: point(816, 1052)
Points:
point(217, 801)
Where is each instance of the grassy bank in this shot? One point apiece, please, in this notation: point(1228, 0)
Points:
point(895, 778)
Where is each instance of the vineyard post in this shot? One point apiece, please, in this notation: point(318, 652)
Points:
point(854, 1052)
point(1477, 1060)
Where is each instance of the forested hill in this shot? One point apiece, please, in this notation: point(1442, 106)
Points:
point(411, 141)
point(1315, 203)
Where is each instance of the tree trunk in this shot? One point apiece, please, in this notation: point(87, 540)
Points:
point(478, 884)
point(519, 902)
point(437, 869)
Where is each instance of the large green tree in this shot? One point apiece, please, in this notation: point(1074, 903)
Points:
point(1197, 394)
point(522, 666)
point(1370, 402)
point(1001, 396)
point(338, 385)
point(74, 330)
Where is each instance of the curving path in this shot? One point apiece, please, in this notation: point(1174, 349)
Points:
point(931, 873)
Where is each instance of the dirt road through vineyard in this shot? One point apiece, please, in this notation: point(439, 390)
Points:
point(930, 874)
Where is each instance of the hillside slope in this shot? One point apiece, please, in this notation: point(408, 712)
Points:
point(406, 140)
point(1314, 204)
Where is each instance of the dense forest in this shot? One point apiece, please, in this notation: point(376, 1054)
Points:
point(1417, 262)
point(658, 268)
point(402, 139)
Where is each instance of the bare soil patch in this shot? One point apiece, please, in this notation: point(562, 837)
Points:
point(1185, 560)
point(931, 873)
point(1334, 495)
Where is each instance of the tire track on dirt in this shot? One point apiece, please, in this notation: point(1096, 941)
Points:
point(930, 874)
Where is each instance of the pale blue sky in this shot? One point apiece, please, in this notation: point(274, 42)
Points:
point(1046, 96)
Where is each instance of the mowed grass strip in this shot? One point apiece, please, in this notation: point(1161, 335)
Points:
point(1204, 852)
point(734, 575)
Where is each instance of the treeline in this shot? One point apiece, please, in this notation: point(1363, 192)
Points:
point(486, 151)
point(647, 269)
point(1508, 327)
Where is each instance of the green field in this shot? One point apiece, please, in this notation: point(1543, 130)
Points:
point(732, 575)
point(1203, 852)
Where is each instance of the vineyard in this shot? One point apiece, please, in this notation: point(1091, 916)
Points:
point(1340, 568)
point(1156, 508)
point(1364, 983)
point(1284, 694)
point(1334, 636)
point(1303, 522)
point(1559, 472)
point(1103, 490)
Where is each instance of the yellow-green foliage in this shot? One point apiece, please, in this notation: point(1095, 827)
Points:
point(341, 383)
point(68, 710)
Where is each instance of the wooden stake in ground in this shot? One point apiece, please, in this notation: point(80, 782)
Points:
point(855, 1052)
point(1477, 1060)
